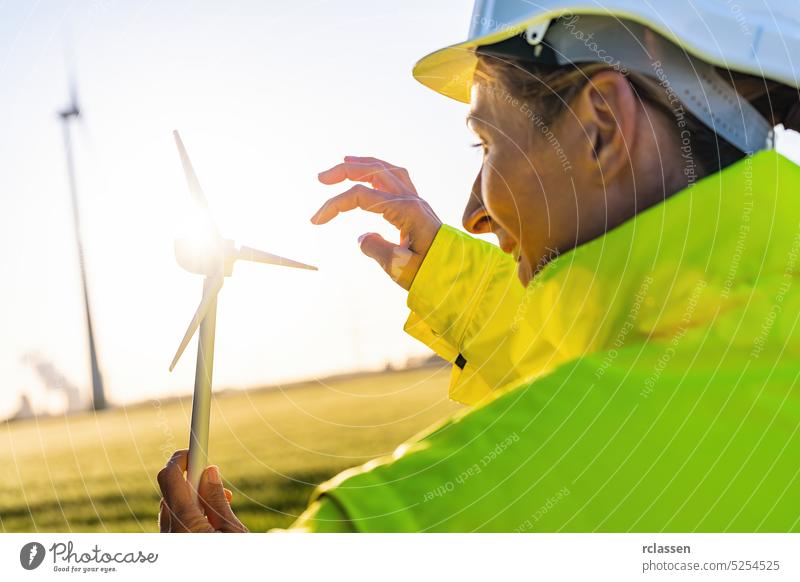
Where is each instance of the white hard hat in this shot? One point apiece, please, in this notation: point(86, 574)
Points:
point(677, 42)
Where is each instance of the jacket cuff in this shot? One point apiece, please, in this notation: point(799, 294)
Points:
point(450, 285)
point(418, 329)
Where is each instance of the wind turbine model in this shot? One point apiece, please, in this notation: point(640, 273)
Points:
point(72, 111)
point(214, 260)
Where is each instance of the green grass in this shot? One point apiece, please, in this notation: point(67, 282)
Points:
point(91, 472)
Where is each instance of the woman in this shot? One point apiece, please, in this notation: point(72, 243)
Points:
point(630, 348)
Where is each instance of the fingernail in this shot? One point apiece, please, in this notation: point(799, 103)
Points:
point(214, 476)
point(362, 237)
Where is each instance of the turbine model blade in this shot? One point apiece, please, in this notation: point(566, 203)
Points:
point(199, 315)
point(250, 254)
point(191, 178)
point(196, 191)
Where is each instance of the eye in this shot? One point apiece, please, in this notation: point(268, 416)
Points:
point(481, 145)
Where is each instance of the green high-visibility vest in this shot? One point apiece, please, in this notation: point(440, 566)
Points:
point(644, 381)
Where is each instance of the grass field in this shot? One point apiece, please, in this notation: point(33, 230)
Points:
point(97, 472)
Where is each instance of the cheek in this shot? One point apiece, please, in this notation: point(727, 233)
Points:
point(512, 190)
point(498, 197)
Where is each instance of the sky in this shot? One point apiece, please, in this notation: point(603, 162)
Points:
point(266, 94)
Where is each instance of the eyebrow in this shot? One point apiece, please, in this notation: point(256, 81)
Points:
point(472, 118)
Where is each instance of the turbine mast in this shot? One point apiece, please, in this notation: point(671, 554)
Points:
point(98, 391)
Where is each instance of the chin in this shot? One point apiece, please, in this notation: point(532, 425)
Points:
point(524, 273)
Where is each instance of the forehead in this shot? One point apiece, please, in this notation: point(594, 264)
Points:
point(476, 101)
point(475, 105)
point(482, 103)
point(491, 102)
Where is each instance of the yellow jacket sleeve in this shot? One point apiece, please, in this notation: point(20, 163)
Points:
point(323, 515)
point(466, 304)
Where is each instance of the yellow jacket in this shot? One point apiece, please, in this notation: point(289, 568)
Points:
point(644, 381)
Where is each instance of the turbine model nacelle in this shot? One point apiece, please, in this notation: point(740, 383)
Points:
point(210, 258)
point(207, 258)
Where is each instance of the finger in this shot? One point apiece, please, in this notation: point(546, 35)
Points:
point(379, 249)
point(394, 259)
point(181, 457)
point(215, 502)
point(177, 492)
point(163, 517)
point(378, 173)
point(358, 196)
point(175, 467)
point(400, 173)
point(228, 495)
point(396, 170)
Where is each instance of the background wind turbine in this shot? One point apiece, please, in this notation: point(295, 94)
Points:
point(213, 257)
point(67, 115)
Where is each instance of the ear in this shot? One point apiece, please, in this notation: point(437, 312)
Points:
point(607, 109)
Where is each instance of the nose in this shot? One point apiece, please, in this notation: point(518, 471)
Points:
point(476, 219)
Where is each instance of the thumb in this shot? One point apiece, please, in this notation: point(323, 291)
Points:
point(397, 261)
point(215, 502)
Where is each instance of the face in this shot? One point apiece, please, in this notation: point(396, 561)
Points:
point(523, 192)
point(548, 185)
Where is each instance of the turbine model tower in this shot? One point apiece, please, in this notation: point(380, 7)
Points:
point(214, 259)
point(73, 112)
